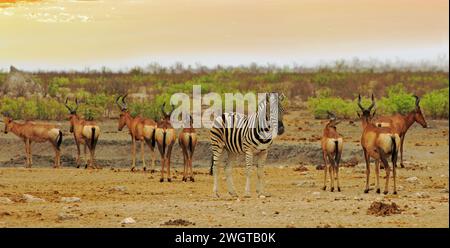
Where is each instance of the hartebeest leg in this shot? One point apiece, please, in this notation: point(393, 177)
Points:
point(133, 151)
point(153, 154)
point(169, 153)
point(394, 173)
point(325, 169)
point(248, 172)
point(185, 163)
point(377, 174)
point(88, 163)
point(143, 155)
point(337, 171)
point(402, 138)
point(331, 171)
point(78, 153)
point(386, 168)
point(366, 157)
point(190, 166)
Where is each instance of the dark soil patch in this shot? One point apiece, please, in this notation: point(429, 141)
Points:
point(178, 222)
point(383, 209)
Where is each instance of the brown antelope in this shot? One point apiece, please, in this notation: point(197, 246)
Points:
point(378, 143)
point(187, 141)
point(84, 132)
point(332, 144)
point(37, 132)
point(165, 138)
point(141, 129)
point(401, 123)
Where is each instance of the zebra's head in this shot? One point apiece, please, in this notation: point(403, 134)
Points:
point(275, 111)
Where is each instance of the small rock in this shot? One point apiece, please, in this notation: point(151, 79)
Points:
point(445, 190)
point(5, 200)
point(29, 198)
point(316, 194)
point(262, 196)
point(67, 216)
point(119, 188)
point(127, 220)
point(70, 199)
point(412, 179)
point(422, 195)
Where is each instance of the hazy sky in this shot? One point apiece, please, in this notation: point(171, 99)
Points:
point(124, 33)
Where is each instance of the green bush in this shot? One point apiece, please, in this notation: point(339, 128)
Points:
point(435, 103)
point(397, 101)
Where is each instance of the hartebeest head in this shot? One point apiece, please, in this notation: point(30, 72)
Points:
point(333, 120)
point(166, 115)
point(418, 116)
point(8, 123)
point(366, 115)
point(124, 115)
point(72, 113)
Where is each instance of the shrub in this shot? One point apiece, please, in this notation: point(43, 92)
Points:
point(397, 101)
point(435, 103)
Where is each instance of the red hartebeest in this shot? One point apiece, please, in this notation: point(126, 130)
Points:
point(165, 138)
point(187, 141)
point(141, 129)
point(378, 143)
point(401, 123)
point(37, 132)
point(332, 144)
point(84, 132)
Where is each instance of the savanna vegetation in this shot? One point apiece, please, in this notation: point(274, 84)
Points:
point(328, 88)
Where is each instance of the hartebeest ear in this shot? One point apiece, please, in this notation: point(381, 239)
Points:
point(374, 112)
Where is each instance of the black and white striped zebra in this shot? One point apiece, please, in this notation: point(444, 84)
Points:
point(251, 135)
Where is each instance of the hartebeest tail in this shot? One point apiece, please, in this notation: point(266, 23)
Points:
point(378, 143)
point(60, 138)
point(401, 123)
point(141, 129)
point(84, 132)
point(165, 138)
point(187, 141)
point(36, 132)
point(332, 146)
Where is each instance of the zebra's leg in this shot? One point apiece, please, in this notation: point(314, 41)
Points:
point(248, 172)
point(217, 153)
point(260, 174)
point(229, 176)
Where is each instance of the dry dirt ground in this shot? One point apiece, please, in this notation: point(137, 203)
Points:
point(108, 196)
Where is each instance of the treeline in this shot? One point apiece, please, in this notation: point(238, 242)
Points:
point(321, 87)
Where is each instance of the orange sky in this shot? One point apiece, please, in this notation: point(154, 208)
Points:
point(123, 33)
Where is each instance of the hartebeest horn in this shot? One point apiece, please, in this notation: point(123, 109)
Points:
point(76, 102)
point(123, 105)
point(67, 106)
point(359, 103)
point(372, 104)
point(417, 101)
point(162, 109)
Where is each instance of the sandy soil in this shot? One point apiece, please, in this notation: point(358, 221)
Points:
point(112, 194)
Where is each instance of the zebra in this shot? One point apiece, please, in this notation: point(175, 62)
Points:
point(251, 135)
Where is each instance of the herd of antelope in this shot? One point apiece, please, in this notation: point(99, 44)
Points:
point(382, 138)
